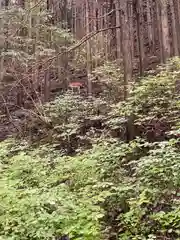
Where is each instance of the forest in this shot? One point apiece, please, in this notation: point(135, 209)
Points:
point(89, 120)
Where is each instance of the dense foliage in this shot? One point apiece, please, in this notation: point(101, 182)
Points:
point(92, 170)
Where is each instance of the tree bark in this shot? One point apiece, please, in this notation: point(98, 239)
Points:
point(88, 49)
point(126, 47)
point(149, 25)
point(174, 29)
point(165, 30)
point(140, 36)
point(118, 31)
point(160, 40)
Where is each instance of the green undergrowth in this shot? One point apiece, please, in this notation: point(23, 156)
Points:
point(153, 106)
point(74, 123)
point(92, 170)
point(135, 186)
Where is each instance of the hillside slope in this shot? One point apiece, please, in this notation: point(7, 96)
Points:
point(91, 170)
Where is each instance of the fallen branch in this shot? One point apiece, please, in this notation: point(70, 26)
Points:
point(82, 41)
point(74, 47)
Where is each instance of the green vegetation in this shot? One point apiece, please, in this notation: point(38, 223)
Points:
point(93, 170)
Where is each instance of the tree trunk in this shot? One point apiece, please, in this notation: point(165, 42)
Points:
point(165, 30)
point(131, 26)
point(140, 36)
point(176, 5)
point(126, 47)
point(162, 60)
point(112, 45)
point(174, 30)
point(46, 86)
point(149, 25)
point(118, 31)
point(88, 49)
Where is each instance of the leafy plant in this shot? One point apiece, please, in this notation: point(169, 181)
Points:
point(107, 188)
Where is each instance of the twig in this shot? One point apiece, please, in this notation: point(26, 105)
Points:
point(78, 44)
point(82, 41)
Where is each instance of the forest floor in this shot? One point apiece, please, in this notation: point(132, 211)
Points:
point(92, 169)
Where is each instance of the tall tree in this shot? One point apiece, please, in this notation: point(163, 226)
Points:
point(126, 46)
point(140, 34)
point(165, 29)
point(118, 30)
point(174, 29)
point(149, 25)
point(88, 49)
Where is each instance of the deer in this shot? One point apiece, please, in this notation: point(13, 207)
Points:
point(76, 86)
